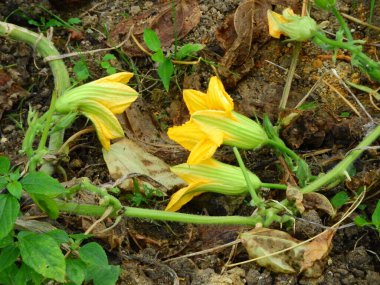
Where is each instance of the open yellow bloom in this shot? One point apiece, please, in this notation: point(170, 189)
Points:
point(297, 28)
point(213, 123)
point(99, 101)
point(209, 176)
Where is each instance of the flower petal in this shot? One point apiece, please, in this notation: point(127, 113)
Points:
point(195, 100)
point(274, 21)
point(217, 97)
point(184, 195)
point(122, 77)
point(187, 135)
point(203, 150)
point(106, 124)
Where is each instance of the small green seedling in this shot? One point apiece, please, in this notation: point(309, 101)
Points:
point(361, 221)
point(145, 196)
point(81, 71)
point(339, 199)
point(45, 24)
point(106, 63)
point(165, 65)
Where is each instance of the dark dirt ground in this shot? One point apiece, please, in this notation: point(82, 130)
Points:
point(321, 134)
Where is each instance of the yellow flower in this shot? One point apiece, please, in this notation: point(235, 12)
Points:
point(99, 101)
point(213, 123)
point(209, 176)
point(297, 28)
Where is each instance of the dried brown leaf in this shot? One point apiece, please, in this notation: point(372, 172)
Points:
point(295, 195)
point(319, 202)
point(308, 258)
point(160, 19)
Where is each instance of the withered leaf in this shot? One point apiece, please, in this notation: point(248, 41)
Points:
point(318, 201)
point(126, 159)
point(304, 257)
point(295, 195)
point(160, 19)
point(242, 34)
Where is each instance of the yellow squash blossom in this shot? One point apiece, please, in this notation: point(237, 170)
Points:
point(209, 176)
point(99, 101)
point(297, 28)
point(213, 123)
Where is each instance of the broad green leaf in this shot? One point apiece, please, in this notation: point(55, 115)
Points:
point(103, 275)
point(74, 21)
point(8, 256)
point(15, 175)
point(5, 165)
point(25, 274)
point(151, 40)
point(376, 216)
point(15, 188)
point(43, 184)
point(9, 210)
point(75, 270)
point(339, 199)
point(59, 236)
point(42, 253)
point(165, 72)
point(7, 276)
point(7, 240)
point(3, 182)
point(361, 221)
point(46, 204)
point(158, 56)
point(187, 50)
point(93, 253)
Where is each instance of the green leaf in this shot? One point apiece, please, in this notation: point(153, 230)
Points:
point(7, 276)
point(42, 253)
point(8, 256)
point(81, 70)
point(158, 56)
point(108, 56)
point(9, 210)
point(187, 50)
point(93, 253)
point(75, 270)
point(339, 199)
point(15, 188)
point(345, 115)
point(25, 273)
point(361, 221)
point(53, 23)
point(308, 106)
point(46, 204)
point(5, 165)
point(105, 64)
point(165, 72)
point(103, 275)
point(151, 40)
point(41, 183)
point(33, 23)
point(74, 21)
point(6, 241)
point(59, 236)
point(376, 216)
point(3, 182)
point(15, 175)
point(111, 70)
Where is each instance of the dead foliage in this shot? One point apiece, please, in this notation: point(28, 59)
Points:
point(304, 257)
point(160, 19)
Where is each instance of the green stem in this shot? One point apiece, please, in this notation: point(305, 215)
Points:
point(342, 166)
point(274, 186)
point(94, 210)
point(342, 23)
point(61, 76)
point(284, 149)
point(255, 198)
